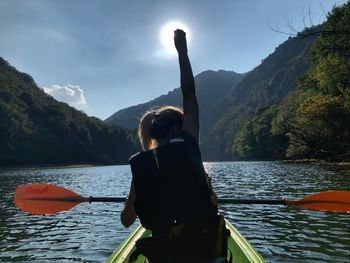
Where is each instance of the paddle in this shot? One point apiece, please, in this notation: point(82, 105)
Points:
point(49, 199)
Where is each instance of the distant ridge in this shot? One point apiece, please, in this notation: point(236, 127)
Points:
point(211, 87)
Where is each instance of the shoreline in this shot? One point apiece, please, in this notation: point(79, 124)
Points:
point(345, 164)
point(341, 164)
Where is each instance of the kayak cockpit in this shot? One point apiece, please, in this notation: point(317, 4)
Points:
point(239, 249)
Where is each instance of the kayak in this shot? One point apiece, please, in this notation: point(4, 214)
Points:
point(239, 249)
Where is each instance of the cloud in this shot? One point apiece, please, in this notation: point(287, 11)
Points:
point(71, 94)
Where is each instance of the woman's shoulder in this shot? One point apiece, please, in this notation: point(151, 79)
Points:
point(189, 138)
point(134, 156)
point(138, 155)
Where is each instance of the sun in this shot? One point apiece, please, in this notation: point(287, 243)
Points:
point(167, 35)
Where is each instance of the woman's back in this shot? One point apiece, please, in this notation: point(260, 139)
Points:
point(171, 184)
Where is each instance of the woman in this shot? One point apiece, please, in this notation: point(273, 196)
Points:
point(170, 192)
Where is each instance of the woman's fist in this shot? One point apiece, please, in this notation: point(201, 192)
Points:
point(180, 41)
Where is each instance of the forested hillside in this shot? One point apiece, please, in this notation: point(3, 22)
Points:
point(37, 129)
point(265, 85)
point(211, 87)
point(314, 120)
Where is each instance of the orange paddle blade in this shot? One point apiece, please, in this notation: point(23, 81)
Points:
point(44, 199)
point(336, 201)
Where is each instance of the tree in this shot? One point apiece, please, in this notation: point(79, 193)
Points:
point(256, 139)
point(330, 55)
point(316, 117)
point(319, 127)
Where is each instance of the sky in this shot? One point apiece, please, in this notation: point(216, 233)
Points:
point(104, 55)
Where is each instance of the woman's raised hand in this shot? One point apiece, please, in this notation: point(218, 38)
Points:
point(180, 41)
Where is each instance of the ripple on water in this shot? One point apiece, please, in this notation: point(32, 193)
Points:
point(90, 232)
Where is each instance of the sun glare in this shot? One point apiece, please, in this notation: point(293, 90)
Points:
point(167, 35)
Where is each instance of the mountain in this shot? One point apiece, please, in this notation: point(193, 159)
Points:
point(35, 129)
point(265, 85)
point(227, 98)
point(211, 87)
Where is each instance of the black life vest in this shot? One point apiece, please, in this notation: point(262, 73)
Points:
point(171, 185)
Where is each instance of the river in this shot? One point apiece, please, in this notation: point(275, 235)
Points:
point(90, 232)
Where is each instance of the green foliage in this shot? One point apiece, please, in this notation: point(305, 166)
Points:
point(316, 117)
point(325, 121)
point(330, 55)
point(36, 129)
point(256, 139)
point(319, 127)
point(333, 75)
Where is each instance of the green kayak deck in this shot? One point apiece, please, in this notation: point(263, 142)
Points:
point(242, 251)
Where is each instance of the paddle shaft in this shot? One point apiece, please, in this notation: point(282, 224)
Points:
point(81, 199)
point(107, 199)
point(91, 199)
point(220, 201)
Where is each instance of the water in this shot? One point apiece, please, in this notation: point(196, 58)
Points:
point(90, 232)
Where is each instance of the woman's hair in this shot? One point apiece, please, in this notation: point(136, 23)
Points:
point(155, 124)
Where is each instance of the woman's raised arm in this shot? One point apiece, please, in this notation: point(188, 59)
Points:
point(190, 104)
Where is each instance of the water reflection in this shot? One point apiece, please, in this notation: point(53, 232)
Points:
point(90, 232)
point(286, 233)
